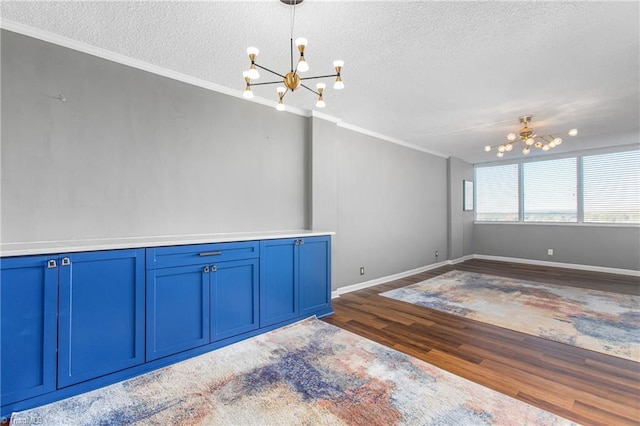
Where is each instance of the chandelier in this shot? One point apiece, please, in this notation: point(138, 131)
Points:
point(292, 80)
point(529, 139)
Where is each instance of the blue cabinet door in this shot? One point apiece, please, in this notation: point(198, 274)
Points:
point(29, 303)
point(314, 263)
point(234, 298)
point(177, 309)
point(278, 281)
point(101, 319)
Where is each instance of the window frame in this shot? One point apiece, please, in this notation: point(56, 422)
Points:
point(579, 187)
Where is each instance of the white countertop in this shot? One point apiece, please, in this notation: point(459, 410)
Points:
point(73, 246)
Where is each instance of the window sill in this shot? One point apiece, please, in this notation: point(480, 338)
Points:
point(579, 224)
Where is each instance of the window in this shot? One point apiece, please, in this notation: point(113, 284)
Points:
point(497, 193)
point(612, 187)
point(550, 191)
point(596, 188)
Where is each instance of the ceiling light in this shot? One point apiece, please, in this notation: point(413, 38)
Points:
point(292, 79)
point(529, 139)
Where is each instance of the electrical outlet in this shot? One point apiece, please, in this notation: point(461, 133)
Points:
point(362, 270)
point(550, 252)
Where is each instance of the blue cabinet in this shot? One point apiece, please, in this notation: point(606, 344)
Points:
point(278, 281)
point(28, 321)
point(177, 309)
point(314, 264)
point(72, 322)
point(101, 314)
point(198, 294)
point(295, 279)
point(234, 298)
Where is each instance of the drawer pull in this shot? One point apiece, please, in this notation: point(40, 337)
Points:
point(210, 253)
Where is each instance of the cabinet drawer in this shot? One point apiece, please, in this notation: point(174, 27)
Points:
point(165, 257)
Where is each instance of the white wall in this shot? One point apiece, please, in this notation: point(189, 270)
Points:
point(392, 207)
point(132, 153)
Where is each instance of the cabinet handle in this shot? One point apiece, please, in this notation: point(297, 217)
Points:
point(51, 264)
point(296, 242)
point(66, 261)
point(214, 268)
point(206, 269)
point(210, 253)
point(301, 242)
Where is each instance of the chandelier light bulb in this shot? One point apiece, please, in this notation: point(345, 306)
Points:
point(511, 136)
point(538, 145)
point(280, 106)
point(558, 141)
point(500, 154)
point(303, 66)
point(301, 41)
point(545, 147)
point(487, 148)
point(501, 149)
point(530, 141)
point(248, 93)
point(526, 150)
point(320, 103)
point(253, 73)
point(281, 90)
point(552, 144)
point(252, 51)
point(508, 147)
point(338, 85)
point(338, 64)
point(321, 87)
point(573, 132)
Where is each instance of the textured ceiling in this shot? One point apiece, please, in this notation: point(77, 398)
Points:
point(450, 77)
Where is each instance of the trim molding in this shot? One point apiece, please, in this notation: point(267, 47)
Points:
point(134, 63)
point(185, 78)
point(578, 266)
point(389, 139)
point(359, 286)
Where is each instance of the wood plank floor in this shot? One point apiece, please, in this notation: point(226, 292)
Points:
point(581, 385)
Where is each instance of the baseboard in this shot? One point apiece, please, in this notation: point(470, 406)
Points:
point(578, 266)
point(359, 286)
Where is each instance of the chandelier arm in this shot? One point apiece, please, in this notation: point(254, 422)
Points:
point(319, 76)
point(268, 70)
point(309, 89)
point(266, 82)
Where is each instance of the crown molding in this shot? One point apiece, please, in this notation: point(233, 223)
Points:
point(390, 139)
point(158, 70)
point(134, 63)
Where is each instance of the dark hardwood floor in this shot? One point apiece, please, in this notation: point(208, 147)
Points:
point(581, 385)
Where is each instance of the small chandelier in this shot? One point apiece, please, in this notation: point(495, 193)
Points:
point(529, 139)
point(291, 80)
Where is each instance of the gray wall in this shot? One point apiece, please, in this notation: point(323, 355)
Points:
point(607, 246)
point(132, 153)
point(392, 207)
point(460, 236)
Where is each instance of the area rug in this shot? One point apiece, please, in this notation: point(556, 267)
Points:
point(591, 319)
point(310, 373)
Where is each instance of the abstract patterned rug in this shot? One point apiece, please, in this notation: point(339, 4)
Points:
point(308, 373)
point(596, 320)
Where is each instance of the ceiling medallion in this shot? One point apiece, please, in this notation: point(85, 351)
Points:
point(292, 79)
point(528, 138)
